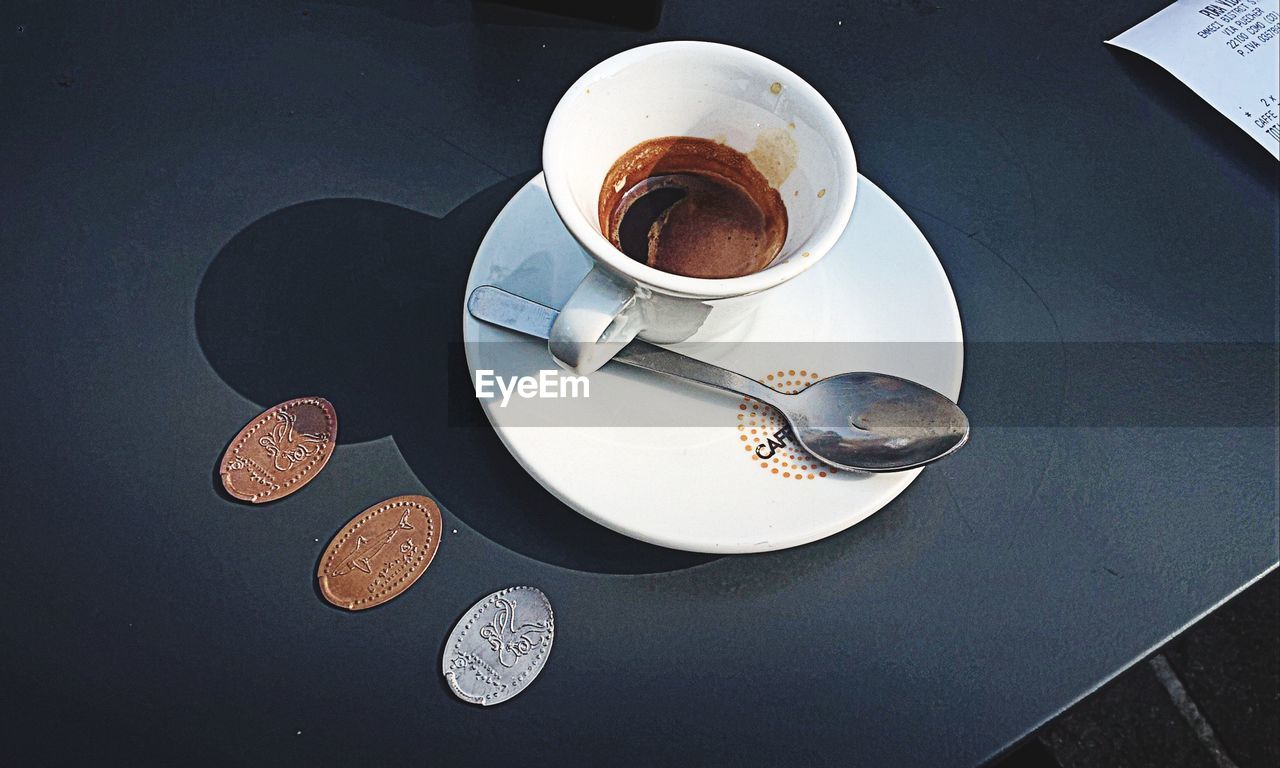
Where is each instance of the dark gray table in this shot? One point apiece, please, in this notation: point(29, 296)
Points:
point(206, 208)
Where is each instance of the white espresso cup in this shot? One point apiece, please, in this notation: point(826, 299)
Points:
point(703, 90)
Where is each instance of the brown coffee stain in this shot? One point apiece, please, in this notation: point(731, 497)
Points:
point(774, 155)
point(775, 89)
point(730, 222)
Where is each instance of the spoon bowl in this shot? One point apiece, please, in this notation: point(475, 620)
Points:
point(873, 422)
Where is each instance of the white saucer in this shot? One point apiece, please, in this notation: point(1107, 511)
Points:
point(702, 488)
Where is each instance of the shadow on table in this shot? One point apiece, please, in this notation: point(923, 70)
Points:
point(569, 14)
point(359, 301)
point(1211, 127)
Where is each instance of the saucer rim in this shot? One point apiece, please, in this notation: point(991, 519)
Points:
point(816, 533)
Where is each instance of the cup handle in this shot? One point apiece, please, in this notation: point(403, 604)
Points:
point(599, 319)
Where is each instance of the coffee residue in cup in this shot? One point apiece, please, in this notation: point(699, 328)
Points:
point(692, 207)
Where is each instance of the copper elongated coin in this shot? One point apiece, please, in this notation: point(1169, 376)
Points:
point(499, 646)
point(281, 450)
point(380, 553)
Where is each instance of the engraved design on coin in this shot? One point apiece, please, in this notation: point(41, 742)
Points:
point(510, 639)
point(280, 451)
point(499, 646)
point(380, 553)
point(362, 557)
point(282, 435)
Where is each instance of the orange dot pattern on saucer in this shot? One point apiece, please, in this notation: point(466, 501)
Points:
point(757, 423)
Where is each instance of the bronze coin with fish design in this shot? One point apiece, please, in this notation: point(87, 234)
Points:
point(280, 451)
point(499, 646)
point(380, 553)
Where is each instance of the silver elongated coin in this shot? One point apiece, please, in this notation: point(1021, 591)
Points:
point(499, 646)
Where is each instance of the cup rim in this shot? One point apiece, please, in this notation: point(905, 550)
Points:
point(604, 251)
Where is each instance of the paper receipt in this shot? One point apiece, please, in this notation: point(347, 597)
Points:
point(1224, 50)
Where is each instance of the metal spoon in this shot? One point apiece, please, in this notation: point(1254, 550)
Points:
point(868, 422)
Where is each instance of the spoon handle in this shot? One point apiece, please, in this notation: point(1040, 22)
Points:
point(642, 354)
point(499, 307)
